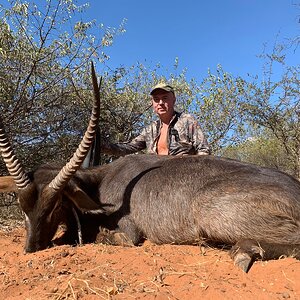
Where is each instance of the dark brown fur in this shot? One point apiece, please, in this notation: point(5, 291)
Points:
point(180, 200)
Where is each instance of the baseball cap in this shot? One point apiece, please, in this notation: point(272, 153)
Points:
point(162, 86)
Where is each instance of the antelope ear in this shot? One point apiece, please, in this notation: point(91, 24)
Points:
point(7, 184)
point(81, 200)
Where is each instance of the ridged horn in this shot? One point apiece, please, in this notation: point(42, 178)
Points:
point(75, 162)
point(13, 165)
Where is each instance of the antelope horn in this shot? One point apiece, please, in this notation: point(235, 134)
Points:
point(75, 162)
point(13, 165)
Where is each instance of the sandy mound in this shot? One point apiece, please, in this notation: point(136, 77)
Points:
point(147, 272)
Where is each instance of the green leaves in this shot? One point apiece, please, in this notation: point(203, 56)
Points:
point(45, 86)
point(44, 79)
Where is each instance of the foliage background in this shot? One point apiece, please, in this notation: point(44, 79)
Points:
point(45, 93)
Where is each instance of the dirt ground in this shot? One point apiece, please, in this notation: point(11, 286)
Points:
point(97, 271)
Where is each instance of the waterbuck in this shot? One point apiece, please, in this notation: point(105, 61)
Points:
point(166, 199)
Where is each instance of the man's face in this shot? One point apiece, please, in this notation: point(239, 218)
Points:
point(163, 102)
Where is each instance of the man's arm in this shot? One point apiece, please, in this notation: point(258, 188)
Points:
point(122, 149)
point(199, 140)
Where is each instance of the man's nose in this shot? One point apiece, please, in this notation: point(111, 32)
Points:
point(161, 101)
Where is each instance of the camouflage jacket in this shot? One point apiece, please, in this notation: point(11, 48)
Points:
point(184, 137)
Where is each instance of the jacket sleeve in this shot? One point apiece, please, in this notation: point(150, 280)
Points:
point(199, 140)
point(122, 149)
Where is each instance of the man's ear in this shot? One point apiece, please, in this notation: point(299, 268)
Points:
point(7, 184)
point(174, 97)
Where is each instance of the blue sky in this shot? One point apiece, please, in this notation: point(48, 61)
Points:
point(201, 34)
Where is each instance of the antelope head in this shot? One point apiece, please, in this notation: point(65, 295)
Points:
point(41, 196)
